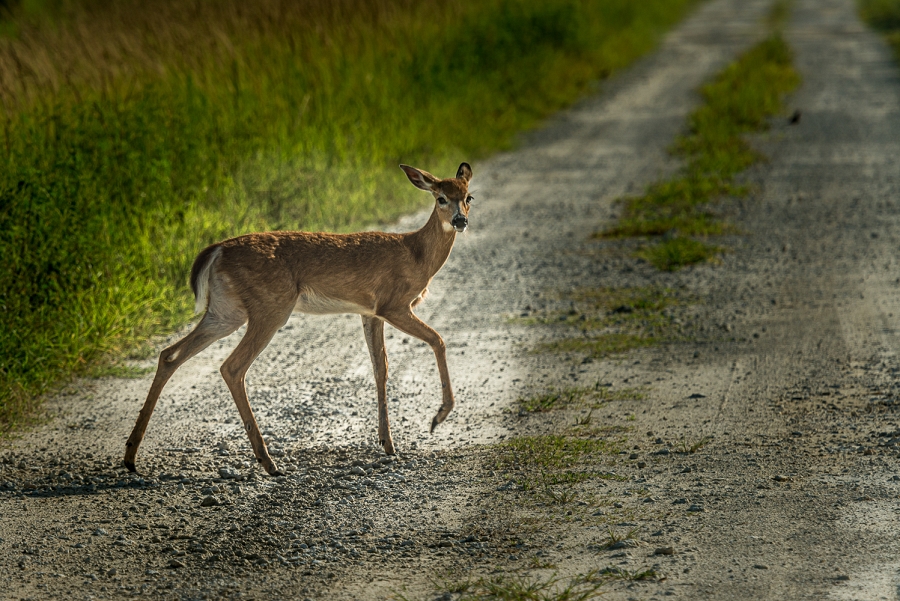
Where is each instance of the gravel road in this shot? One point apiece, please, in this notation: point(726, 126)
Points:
point(789, 374)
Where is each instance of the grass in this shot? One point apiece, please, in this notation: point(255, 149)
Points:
point(614, 320)
point(134, 134)
point(505, 588)
point(883, 16)
point(678, 252)
point(740, 100)
point(519, 588)
point(595, 396)
point(552, 460)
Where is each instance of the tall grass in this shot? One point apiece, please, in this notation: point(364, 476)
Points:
point(134, 133)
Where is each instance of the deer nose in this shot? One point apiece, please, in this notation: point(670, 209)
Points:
point(459, 223)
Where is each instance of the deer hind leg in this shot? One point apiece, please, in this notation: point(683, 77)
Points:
point(373, 327)
point(234, 370)
point(407, 322)
point(211, 328)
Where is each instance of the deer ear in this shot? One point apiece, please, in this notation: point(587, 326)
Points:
point(464, 172)
point(420, 179)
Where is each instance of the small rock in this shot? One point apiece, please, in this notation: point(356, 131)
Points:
point(842, 577)
point(760, 566)
point(661, 452)
point(357, 471)
point(687, 470)
point(633, 456)
point(665, 551)
point(697, 508)
point(100, 532)
point(641, 464)
point(112, 572)
point(782, 478)
point(174, 563)
point(210, 501)
point(228, 473)
point(679, 502)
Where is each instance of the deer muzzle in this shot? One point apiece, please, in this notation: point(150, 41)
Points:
point(459, 222)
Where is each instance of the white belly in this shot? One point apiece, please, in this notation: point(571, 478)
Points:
point(324, 305)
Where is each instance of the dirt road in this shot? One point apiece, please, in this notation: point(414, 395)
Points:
point(789, 374)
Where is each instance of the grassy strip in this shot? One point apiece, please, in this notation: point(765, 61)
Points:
point(738, 101)
point(610, 321)
point(884, 16)
point(133, 134)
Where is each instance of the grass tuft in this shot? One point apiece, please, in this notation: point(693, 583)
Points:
point(675, 253)
point(556, 399)
point(521, 588)
point(884, 16)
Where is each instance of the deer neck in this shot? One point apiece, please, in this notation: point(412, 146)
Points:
point(432, 243)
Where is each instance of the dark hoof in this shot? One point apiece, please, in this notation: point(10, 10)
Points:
point(434, 424)
point(129, 465)
point(276, 473)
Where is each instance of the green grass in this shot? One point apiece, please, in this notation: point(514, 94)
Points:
point(675, 253)
point(739, 101)
point(883, 16)
point(133, 134)
point(568, 397)
point(610, 321)
point(545, 462)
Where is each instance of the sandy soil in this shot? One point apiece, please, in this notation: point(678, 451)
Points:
point(789, 373)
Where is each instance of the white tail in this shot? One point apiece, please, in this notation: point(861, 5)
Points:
point(200, 278)
point(260, 279)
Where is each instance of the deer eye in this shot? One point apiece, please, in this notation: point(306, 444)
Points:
point(469, 199)
point(442, 201)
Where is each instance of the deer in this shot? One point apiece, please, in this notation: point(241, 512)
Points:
point(261, 279)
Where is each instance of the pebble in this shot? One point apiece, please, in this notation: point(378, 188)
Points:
point(210, 501)
point(665, 551)
point(174, 563)
point(782, 478)
point(697, 508)
point(760, 566)
point(228, 473)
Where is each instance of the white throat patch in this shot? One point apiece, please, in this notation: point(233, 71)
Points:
point(447, 227)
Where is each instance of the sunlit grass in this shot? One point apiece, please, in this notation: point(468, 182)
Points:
point(134, 134)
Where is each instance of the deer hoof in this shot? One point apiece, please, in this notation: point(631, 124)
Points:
point(434, 424)
point(130, 465)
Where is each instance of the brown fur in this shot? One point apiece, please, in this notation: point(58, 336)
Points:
point(260, 279)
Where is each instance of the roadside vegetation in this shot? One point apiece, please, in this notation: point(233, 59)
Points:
point(134, 134)
point(884, 16)
point(681, 213)
point(592, 397)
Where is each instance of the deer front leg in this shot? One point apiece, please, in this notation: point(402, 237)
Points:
point(406, 321)
point(373, 327)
